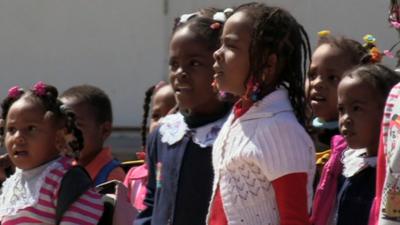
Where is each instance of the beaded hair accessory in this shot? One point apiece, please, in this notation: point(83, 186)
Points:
point(39, 88)
point(15, 92)
point(370, 45)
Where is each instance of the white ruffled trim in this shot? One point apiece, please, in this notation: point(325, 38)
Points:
point(173, 128)
point(22, 189)
point(355, 160)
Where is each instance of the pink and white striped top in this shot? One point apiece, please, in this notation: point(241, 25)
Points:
point(86, 211)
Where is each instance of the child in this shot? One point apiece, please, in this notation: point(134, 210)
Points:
point(179, 150)
point(263, 158)
point(33, 133)
point(332, 57)
point(163, 101)
point(94, 117)
point(361, 99)
point(386, 206)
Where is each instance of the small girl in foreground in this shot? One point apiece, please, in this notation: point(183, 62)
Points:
point(33, 128)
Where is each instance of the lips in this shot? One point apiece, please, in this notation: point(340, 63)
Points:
point(20, 153)
point(180, 88)
point(218, 71)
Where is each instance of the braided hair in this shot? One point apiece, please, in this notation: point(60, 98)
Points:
point(146, 108)
point(201, 24)
point(47, 98)
point(378, 76)
point(276, 31)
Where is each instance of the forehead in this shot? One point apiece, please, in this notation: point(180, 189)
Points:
point(26, 110)
point(355, 88)
point(239, 24)
point(185, 42)
point(81, 108)
point(327, 54)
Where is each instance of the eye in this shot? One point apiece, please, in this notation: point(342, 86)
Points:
point(333, 78)
point(356, 108)
point(195, 63)
point(173, 65)
point(311, 75)
point(32, 128)
point(11, 130)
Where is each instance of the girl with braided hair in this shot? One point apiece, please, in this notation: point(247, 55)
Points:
point(36, 127)
point(179, 149)
point(263, 158)
point(162, 99)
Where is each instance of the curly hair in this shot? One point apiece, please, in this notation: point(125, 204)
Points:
point(50, 103)
point(276, 31)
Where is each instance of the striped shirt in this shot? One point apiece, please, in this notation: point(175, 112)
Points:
point(86, 210)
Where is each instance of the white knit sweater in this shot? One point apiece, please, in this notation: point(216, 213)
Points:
point(264, 144)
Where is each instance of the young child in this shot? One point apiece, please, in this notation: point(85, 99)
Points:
point(93, 111)
point(179, 150)
point(263, 158)
point(332, 57)
point(163, 100)
point(35, 124)
point(361, 99)
point(386, 206)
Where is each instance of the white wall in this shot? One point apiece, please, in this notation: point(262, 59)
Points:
point(118, 45)
point(121, 45)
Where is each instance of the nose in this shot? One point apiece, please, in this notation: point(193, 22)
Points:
point(181, 73)
point(345, 120)
point(316, 82)
point(19, 138)
point(218, 54)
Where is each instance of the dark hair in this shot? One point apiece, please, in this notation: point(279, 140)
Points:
point(378, 76)
point(276, 31)
point(352, 49)
point(97, 99)
point(200, 23)
point(146, 108)
point(48, 99)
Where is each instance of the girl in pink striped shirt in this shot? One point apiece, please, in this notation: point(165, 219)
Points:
point(35, 128)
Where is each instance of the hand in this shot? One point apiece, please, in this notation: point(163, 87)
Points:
point(124, 212)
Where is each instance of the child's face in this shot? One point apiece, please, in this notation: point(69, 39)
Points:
point(31, 134)
point(94, 133)
point(163, 102)
point(327, 67)
point(191, 72)
point(360, 108)
point(232, 58)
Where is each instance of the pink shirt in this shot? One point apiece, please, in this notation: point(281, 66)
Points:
point(87, 210)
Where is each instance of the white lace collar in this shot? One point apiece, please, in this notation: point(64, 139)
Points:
point(22, 189)
point(173, 128)
point(356, 160)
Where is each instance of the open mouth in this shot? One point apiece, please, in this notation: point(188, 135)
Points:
point(182, 89)
point(20, 153)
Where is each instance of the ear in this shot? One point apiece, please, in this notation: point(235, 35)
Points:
point(60, 140)
point(269, 73)
point(106, 129)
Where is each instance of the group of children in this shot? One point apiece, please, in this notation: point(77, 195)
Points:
point(233, 136)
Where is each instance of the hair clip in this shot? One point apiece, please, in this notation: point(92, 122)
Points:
point(15, 91)
point(369, 39)
point(228, 10)
point(215, 26)
point(39, 88)
point(219, 16)
point(324, 33)
point(376, 55)
point(185, 17)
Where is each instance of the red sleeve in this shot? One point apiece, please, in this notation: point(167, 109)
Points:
point(291, 198)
